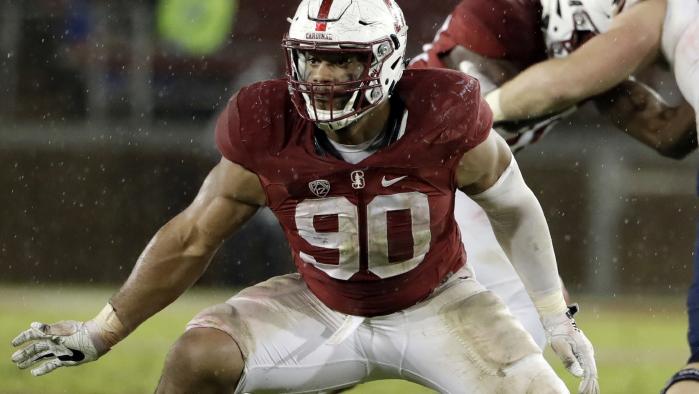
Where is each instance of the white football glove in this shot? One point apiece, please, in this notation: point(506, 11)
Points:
point(573, 348)
point(66, 343)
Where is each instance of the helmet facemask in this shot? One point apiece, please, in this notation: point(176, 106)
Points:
point(335, 105)
point(569, 24)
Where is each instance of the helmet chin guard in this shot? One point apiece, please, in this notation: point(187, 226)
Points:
point(373, 30)
point(323, 118)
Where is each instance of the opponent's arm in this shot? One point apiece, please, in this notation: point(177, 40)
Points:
point(489, 174)
point(635, 109)
point(172, 262)
point(601, 63)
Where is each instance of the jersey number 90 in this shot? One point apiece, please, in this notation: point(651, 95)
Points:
point(396, 228)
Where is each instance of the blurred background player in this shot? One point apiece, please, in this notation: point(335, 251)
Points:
point(599, 51)
point(345, 160)
point(623, 40)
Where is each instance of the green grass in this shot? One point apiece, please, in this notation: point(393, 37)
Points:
point(639, 342)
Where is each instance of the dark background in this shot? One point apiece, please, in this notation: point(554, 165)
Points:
point(106, 132)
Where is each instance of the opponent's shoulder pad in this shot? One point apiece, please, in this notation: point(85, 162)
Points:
point(449, 101)
point(245, 126)
point(441, 89)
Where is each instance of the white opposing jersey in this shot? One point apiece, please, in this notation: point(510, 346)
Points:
point(679, 16)
point(569, 23)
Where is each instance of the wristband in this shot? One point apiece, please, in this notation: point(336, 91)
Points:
point(551, 304)
point(109, 328)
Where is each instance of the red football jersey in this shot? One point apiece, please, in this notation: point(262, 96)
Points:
point(508, 30)
point(498, 29)
point(374, 237)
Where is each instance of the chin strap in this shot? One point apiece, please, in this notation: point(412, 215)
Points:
point(684, 374)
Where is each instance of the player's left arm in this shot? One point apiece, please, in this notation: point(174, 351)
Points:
point(601, 63)
point(490, 175)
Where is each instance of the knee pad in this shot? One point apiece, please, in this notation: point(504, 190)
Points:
point(493, 338)
point(533, 375)
point(206, 349)
point(547, 383)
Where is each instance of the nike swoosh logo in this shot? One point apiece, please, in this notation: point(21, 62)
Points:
point(386, 182)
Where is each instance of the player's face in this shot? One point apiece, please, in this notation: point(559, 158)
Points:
point(332, 69)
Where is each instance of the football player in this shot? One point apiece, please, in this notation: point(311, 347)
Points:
point(359, 161)
point(595, 48)
point(493, 40)
point(624, 38)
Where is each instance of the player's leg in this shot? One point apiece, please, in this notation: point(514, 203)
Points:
point(282, 330)
point(463, 339)
point(686, 69)
point(203, 360)
point(492, 268)
point(693, 307)
point(686, 381)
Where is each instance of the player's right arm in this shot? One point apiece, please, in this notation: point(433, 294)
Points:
point(175, 258)
point(180, 251)
point(604, 61)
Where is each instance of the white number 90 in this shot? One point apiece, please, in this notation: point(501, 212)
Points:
point(397, 232)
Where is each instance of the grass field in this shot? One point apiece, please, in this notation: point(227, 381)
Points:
point(639, 342)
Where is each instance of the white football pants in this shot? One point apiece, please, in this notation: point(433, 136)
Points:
point(461, 339)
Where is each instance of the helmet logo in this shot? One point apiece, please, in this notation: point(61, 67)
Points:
point(383, 50)
point(357, 179)
point(320, 188)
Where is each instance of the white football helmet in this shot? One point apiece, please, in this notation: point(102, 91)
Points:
point(568, 24)
point(374, 28)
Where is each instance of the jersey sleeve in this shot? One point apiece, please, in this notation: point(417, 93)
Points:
point(228, 135)
point(468, 27)
point(457, 117)
point(497, 29)
point(466, 110)
point(483, 124)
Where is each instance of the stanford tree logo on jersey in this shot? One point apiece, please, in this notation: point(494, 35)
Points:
point(357, 179)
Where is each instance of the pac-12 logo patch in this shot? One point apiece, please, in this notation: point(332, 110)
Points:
point(320, 188)
point(357, 179)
